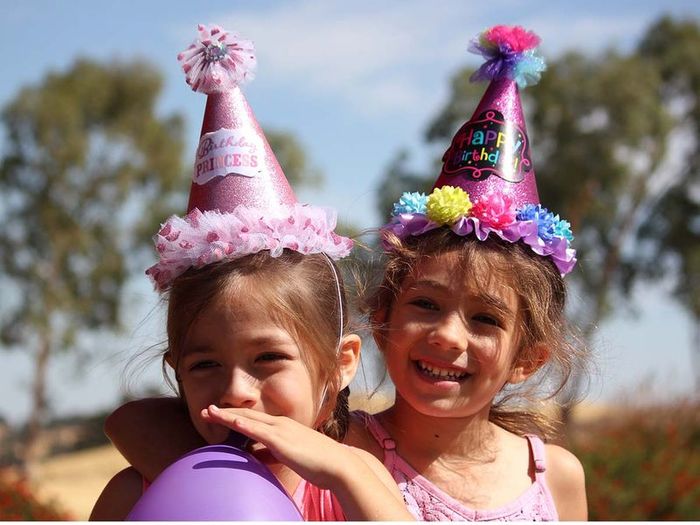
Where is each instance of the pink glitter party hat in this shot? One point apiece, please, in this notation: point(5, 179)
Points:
point(240, 200)
point(487, 182)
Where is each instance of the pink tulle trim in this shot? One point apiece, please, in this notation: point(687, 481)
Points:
point(200, 238)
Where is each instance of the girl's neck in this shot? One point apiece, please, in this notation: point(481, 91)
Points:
point(285, 475)
point(422, 437)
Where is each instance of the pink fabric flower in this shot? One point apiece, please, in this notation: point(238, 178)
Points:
point(495, 210)
point(217, 61)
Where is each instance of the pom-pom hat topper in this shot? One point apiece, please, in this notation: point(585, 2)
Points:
point(240, 201)
point(487, 183)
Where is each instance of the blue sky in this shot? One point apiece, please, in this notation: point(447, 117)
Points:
point(355, 81)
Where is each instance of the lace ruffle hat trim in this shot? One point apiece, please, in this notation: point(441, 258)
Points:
point(487, 182)
point(240, 200)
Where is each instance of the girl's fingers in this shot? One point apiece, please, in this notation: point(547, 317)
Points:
point(230, 414)
point(254, 424)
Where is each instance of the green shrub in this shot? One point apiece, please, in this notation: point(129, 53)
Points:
point(643, 464)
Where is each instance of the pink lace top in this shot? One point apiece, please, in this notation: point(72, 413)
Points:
point(427, 502)
point(317, 504)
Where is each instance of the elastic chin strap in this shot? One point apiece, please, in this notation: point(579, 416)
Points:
point(340, 326)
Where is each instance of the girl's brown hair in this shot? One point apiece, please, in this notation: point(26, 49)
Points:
point(542, 322)
point(304, 293)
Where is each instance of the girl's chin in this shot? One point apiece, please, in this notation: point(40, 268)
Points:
point(213, 434)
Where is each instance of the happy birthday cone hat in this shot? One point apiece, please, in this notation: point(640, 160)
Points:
point(491, 152)
point(487, 182)
point(240, 201)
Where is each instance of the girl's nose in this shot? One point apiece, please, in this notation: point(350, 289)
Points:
point(449, 333)
point(240, 391)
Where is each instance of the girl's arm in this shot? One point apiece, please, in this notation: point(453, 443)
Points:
point(152, 433)
point(118, 497)
point(358, 480)
point(567, 482)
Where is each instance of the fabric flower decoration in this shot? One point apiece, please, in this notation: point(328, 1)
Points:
point(495, 210)
point(217, 61)
point(447, 204)
point(411, 202)
point(562, 229)
point(541, 216)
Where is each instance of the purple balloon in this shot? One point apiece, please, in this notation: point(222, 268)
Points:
point(215, 483)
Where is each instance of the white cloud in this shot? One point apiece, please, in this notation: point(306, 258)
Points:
point(374, 56)
point(588, 32)
point(386, 57)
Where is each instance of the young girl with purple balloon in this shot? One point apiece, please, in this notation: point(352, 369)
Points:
point(470, 320)
point(256, 319)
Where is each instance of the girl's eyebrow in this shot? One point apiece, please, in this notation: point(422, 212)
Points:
point(496, 303)
point(491, 300)
point(198, 349)
point(429, 283)
point(269, 340)
point(254, 342)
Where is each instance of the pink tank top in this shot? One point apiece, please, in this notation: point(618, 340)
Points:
point(427, 502)
point(317, 504)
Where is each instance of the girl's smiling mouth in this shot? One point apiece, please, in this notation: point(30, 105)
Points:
point(442, 373)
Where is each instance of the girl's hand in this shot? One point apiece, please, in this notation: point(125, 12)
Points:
point(364, 488)
point(314, 456)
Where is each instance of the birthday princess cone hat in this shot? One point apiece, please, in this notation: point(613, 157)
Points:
point(240, 200)
point(487, 182)
point(231, 141)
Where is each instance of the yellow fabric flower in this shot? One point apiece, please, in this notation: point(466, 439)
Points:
point(447, 204)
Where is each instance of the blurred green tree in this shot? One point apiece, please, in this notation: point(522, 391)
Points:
point(292, 156)
point(616, 152)
point(88, 171)
point(675, 230)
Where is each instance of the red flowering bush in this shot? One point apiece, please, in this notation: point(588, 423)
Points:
point(18, 504)
point(643, 464)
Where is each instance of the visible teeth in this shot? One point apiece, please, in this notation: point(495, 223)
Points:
point(440, 373)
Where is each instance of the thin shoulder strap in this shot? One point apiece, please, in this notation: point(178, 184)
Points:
point(538, 454)
point(381, 436)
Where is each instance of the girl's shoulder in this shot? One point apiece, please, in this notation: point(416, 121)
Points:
point(567, 483)
point(360, 436)
point(377, 468)
point(119, 496)
point(563, 467)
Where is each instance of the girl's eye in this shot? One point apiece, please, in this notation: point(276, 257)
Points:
point(202, 365)
point(425, 304)
point(487, 319)
point(268, 357)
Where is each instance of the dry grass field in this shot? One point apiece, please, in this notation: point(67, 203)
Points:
point(74, 481)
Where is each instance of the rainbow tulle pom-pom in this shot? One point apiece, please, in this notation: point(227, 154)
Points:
point(510, 52)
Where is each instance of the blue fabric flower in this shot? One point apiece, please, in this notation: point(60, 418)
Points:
point(562, 229)
point(542, 216)
point(411, 202)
